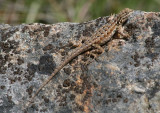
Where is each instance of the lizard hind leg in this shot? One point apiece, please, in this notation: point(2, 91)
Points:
point(92, 55)
point(98, 49)
point(95, 52)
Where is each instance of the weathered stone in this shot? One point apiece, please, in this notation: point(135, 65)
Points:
point(125, 78)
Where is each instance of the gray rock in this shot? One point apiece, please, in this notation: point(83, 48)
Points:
point(124, 79)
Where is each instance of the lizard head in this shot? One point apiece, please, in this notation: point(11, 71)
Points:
point(123, 15)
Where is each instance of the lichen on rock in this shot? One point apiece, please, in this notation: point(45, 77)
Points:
point(125, 78)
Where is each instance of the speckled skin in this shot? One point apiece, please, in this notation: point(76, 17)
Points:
point(100, 37)
point(124, 79)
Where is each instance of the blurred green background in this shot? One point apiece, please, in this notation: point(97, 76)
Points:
point(53, 11)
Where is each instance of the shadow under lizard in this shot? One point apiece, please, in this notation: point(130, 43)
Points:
point(100, 37)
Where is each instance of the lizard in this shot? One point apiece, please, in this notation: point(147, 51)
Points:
point(100, 37)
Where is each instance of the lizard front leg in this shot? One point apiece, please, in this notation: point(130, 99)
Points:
point(122, 33)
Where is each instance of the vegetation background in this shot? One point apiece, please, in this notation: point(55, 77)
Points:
point(53, 11)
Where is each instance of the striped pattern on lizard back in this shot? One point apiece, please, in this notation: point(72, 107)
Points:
point(101, 36)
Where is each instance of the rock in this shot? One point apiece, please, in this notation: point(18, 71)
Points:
point(124, 79)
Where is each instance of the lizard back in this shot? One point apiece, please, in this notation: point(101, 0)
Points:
point(101, 36)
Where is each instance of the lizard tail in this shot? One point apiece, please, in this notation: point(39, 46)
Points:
point(39, 89)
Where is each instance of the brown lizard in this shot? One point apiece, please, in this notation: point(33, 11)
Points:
point(100, 37)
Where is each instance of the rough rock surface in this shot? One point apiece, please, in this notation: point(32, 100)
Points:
point(124, 79)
